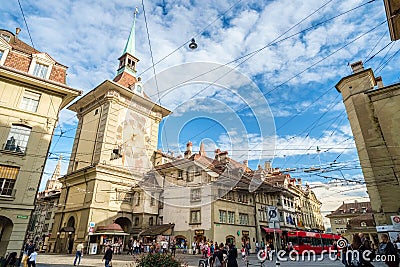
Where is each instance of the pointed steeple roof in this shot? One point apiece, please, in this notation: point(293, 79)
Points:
point(53, 183)
point(126, 73)
point(56, 173)
point(130, 47)
point(202, 151)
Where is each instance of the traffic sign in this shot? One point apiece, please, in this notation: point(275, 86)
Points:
point(92, 224)
point(273, 215)
point(395, 221)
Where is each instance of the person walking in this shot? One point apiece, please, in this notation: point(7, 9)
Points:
point(392, 259)
point(32, 259)
point(108, 254)
point(232, 256)
point(79, 253)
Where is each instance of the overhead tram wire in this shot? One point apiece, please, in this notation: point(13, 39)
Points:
point(26, 23)
point(270, 44)
point(260, 49)
point(322, 59)
point(154, 68)
point(162, 59)
point(298, 74)
point(197, 34)
point(373, 48)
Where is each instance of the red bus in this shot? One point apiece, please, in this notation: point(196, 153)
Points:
point(302, 240)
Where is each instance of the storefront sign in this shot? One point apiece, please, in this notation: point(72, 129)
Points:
point(199, 232)
point(245, 232)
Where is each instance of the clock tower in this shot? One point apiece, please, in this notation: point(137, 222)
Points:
point(114, 145)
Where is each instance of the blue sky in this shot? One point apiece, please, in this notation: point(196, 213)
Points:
point(307, 46)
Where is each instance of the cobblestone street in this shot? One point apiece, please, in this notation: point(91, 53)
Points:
point(47, 260)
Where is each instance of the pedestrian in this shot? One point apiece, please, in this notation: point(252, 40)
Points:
point(108, 254)
point(232, 256)
point(392, 259)
point(257, 246)
point(219, 256)
point(79, 253)
point(29, 248)
point(194, 247)
point(32, 259)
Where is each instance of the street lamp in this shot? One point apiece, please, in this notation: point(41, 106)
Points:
point(192, 44)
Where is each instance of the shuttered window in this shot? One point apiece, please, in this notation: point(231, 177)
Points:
point(8, 176)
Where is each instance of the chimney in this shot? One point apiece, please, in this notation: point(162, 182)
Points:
point(357, 66)
point(223, 157)
point(267, 166)
point(17, 31)
point(216, 154)
point(246, 163)
point(188, 152)
point(379, 81)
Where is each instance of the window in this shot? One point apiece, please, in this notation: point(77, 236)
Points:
point(243, 219)
point(116, 153)
point(190, 174)
point(30, 101)
point(222, 216)
point(195, 194)
point(40, 70)
point(18, 138)
point(152, 199)
point(195, 216)
point(363, 224)
point(136, 221)
point(137, 196)
point(8, 176)
point(231, 217)
point(1, 53)
point(6, 37)
point(180, 174)
point(151, 221)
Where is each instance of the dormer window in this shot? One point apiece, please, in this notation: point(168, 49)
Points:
point(41, 65)
point(139, 88)
point(4, 49)
point(6, 37)
point(40, 70)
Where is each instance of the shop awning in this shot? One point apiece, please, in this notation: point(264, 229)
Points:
point(164, 229)
point(67, 229)
point(271, 230)
point(109, 233)
point(111, 229)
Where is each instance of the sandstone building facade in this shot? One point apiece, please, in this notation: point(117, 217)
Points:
point(33, 90)
point(374, 114)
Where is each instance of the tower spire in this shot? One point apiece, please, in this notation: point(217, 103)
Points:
point(126, 73)
point(53, 183)
point(131, 42)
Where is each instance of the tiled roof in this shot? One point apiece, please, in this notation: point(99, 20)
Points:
point(352, 208)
